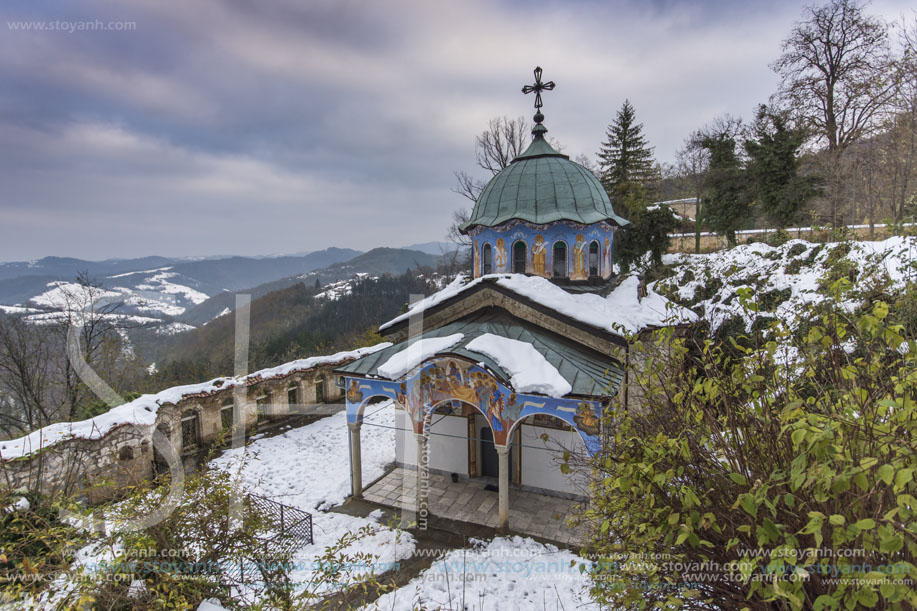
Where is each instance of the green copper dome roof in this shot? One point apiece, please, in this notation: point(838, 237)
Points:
point(542, 186)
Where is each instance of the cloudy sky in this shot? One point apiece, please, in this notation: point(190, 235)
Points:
point(276, 126)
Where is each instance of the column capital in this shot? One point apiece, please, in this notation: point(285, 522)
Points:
point(501, 449)
point(355, 426)
point(420, 436)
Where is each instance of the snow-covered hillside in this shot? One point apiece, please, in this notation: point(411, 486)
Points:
point(155, 293)
point(785, 277)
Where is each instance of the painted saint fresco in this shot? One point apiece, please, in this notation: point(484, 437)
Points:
point(580, 265)
point(540, 240)
point(500, 258)
point(539, 256)
point(452, 380)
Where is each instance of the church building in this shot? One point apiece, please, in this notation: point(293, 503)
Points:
point(497, 374)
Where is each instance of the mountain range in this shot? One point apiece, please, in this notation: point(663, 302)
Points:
point(175, 294)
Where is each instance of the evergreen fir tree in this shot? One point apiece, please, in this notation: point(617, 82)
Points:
point(773, 168)
point(626, 165)
point(725, 202)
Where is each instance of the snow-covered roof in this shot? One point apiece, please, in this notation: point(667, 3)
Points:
point(529, 371)
point(621, 311)
point(142, 410)
point(520, 353)
point(417, 352)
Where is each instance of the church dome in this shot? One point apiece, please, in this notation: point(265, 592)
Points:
point(542, 186)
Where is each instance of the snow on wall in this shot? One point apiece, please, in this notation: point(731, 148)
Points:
point(541, 459)
point(143, 410)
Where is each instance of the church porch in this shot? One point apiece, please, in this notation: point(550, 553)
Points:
point(475, 500)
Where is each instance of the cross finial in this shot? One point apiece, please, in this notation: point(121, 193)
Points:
point(538, 87)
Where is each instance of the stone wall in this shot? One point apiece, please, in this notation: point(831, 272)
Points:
point(102, 468)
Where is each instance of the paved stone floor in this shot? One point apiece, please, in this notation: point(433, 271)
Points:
point(467, 501)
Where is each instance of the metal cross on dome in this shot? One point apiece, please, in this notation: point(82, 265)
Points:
point(538, 87)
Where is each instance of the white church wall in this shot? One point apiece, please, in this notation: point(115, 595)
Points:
point(405, 444)
point(541, 459)
point(448, 450)
point(449, 444)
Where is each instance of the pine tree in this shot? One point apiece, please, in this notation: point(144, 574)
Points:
point(626, 165)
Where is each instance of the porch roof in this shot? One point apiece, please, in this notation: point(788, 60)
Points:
point(589, 373)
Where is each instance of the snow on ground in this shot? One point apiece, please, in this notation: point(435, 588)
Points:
point(785, 277)
point(159, 293)
point(61, 295)
point(309, 468)
point(514, 573)
point(173, 328)
point(336, 290)
point(622, 310)
point(142, 410)
point(161, 283)
point(529, 371)
point(145, 271)
point(8, 309)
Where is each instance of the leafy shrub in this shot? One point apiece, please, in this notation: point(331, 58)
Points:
point(782, 479)
point(34, 542)
point(778, 238)
point(796, 249)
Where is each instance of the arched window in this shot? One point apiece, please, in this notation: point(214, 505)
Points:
point(487, 263)
point(520, 251)
point(190, 430)
point(560, 260)
point(593, 259)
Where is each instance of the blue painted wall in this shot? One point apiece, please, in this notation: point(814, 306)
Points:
point(539, 242)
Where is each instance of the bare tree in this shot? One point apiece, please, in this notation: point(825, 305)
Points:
point(838, 77)
point(502, 141)
point(30, 395)
point(837, 71)
point(692, 163)
point(902, 140)
point(494, 149)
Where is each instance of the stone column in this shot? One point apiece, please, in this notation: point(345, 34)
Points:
point(503, 486)
point(423, 477)
point(356, 461)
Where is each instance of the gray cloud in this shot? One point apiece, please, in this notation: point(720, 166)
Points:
point(251, 127)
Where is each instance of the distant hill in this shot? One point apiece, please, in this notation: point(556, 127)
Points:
point(66, 268)
point(376, 262)
point(434, 248)
point(286, 324)
point(235, 273)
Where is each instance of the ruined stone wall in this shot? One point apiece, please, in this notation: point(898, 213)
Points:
point(102, 468)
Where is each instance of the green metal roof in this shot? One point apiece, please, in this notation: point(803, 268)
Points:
point(588, 372)
point(543, 186)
